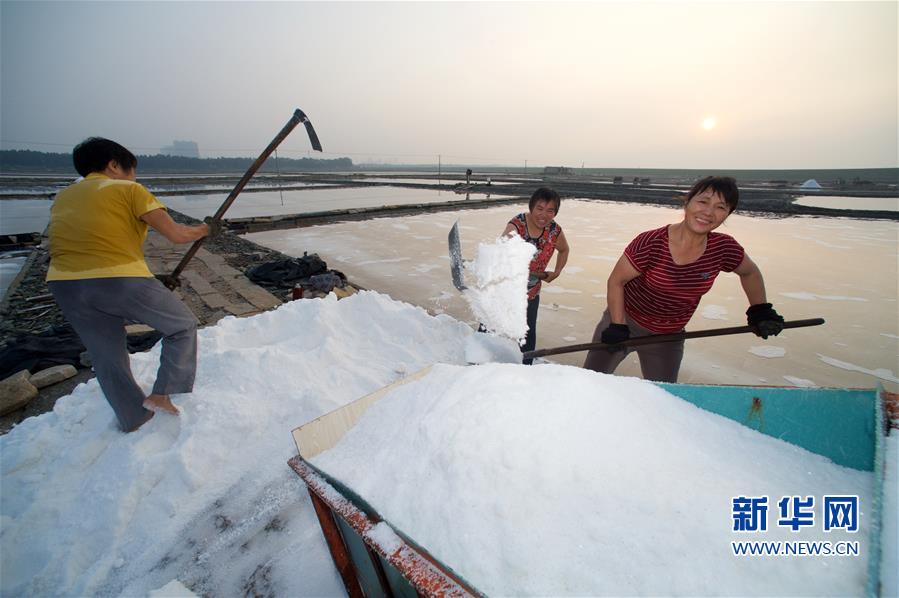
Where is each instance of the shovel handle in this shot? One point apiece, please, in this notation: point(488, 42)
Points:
point(654, 339)
point(298, 117)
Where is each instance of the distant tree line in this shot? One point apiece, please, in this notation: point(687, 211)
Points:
point(31, 161)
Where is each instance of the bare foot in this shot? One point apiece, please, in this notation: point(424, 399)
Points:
point(159, 403)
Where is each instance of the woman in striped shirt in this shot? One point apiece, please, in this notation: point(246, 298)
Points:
point(656, 285)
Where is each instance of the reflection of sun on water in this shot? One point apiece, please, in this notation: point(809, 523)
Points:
point(708, 123)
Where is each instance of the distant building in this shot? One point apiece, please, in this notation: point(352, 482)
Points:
point(556, 170)
point(187, 149)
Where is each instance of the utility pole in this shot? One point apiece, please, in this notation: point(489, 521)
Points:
point(525, 166)
point(439, 168)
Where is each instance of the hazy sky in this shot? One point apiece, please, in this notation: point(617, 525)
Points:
point(788, 84)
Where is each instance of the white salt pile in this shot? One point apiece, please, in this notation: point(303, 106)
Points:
point(207, 502)
point(498, 293)
point(552, 480)
point(207, 498)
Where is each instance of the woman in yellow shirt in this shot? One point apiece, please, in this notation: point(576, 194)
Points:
point(100, 278)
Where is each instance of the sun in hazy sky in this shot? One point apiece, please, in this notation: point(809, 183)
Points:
point(671, 46)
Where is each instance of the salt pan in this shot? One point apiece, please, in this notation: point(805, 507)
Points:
point(882, 373)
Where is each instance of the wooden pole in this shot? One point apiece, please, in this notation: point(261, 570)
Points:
point(655, 339)
point(297, 118)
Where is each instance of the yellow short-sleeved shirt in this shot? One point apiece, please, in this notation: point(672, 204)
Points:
point(96, 230)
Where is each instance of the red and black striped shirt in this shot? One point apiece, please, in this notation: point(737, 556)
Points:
point(665, 295)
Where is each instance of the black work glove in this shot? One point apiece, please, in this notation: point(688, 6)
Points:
point(170, 282)
point(763, 320)
point(215, 227)
point(614, 334)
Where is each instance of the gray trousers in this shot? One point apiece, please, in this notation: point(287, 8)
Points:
point(99, 308)
point(660, 363)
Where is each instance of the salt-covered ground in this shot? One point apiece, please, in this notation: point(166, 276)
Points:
point(270, 203)
point(19, 216)
point(554, 480)
point(838, 202)
point(10, 264)
point(844, 270)
point(24, 215)
point(207, 500)
point(428, 181)
point(33, 215)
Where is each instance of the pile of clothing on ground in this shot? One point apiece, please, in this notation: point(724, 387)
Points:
point(309, 272)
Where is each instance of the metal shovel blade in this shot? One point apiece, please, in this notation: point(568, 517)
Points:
point(313, 138)
point(455, 255)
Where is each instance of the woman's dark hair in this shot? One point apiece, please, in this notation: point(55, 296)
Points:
point(545, 194)
point(724, 186)
point(94, 154)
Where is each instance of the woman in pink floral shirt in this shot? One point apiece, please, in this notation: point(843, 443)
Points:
point(539, 228)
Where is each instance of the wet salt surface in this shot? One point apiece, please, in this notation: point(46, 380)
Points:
point(812, 297)
point(269, 203)
point(475, 180)
point(768, 351)
point(714, 312)
point(206, 498)
point(10, 264)
point(434, 181)
point(849, 203)
point(882, 373)
point(811, 268)
point(859, 303)
point(24, 215)
point(33, 215)
point(227, 187)
point(19, 216)
point(487, 483)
